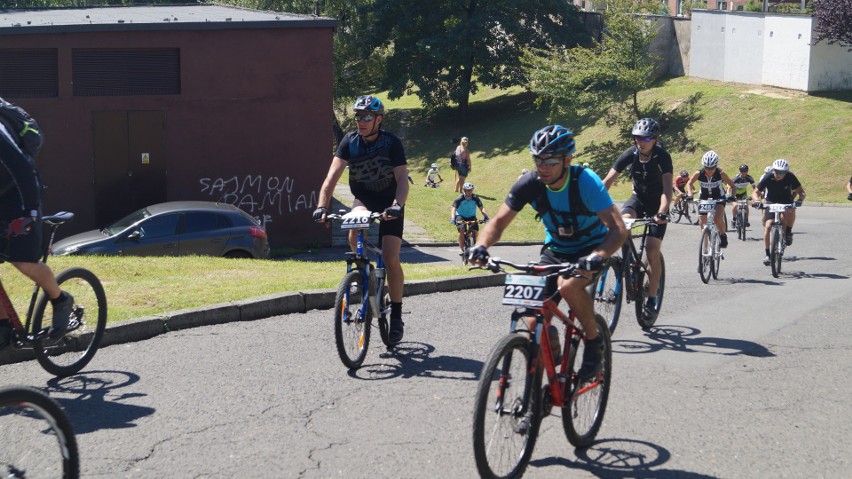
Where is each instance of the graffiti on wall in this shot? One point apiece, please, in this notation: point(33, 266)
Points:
point(258, 194)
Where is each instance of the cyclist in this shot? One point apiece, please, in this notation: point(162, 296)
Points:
point(710, 178)
point(464, 209)
point(779, 187)
point(849, 189)
point(741, 182)
point(679, 187)
point(649, 165)
point(431, 175)
point(20, 243)
point(378, 179)
point(587, 233)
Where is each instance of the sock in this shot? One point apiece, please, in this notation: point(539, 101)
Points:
point(58, 299)
point(396, 310)
point(767, 252)
point(789, 229)
point(652, 301)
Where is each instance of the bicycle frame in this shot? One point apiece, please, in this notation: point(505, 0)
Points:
point(634, 261)
point(373, 277)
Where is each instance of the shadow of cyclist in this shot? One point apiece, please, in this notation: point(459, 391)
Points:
point(413, 359)
point(686, 339)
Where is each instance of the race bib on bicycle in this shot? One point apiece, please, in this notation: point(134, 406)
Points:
point(707, 206)
point(356, 220)
point(777, 208)
point(524, 290)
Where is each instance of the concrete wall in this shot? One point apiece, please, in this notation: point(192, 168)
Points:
point(743, 49)
point(786, 51)
point(707, 52)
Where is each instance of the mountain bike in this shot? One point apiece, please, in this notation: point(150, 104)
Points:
point(777, 241)
point(510, 399)
point(682, 208)
point(469, 236)
point(362, 293)
point(709, 251)
point(72, 351)
point(38, 440)
point(742, 218)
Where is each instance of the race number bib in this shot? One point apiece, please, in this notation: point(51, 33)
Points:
point(777, 208)
point(706, 206)
point(356, 220)
point(524, 290)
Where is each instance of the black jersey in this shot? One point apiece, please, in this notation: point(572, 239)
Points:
point(20, 186)
point(711, 186)
point(371, 166)
point(647, 176)
point(779, 191)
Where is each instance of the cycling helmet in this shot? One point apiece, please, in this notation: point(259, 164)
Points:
point(434, 165)
point(467, 186)
point(646, 127)
point(710, 159)
point(743, 168)
point(369, 103)
point(552, 140)
point(524, 171)
point(767, 169)
point(684, 173)
point(780, 165)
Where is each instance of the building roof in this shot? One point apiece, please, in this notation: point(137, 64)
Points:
point(151, 17)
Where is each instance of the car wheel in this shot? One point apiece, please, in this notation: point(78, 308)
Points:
point(238, 253)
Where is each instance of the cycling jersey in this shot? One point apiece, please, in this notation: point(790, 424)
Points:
point(779, 191)
point(711, 186)
point(647, 176)
point(466, 208)
point(528, 189)
point(20, 185)
point(741, 182)
point(432, 175)
point(371, 165)
point(680, 182)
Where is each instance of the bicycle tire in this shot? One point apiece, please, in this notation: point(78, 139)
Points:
point(39, 440)
point(351, 321)
point(676, 212)
point(607, 292)
point(468, 244)
point(775, 240)
point(717, 256)
point(583, 414)
point(645, 322)
point(70, 353)
point(383, 318)
point(741, 225)
point(505, 451)
point(705, 253)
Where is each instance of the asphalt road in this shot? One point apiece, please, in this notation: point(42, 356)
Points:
point(747, 376)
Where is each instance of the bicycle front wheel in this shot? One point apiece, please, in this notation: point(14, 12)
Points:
point(775, 239)
point(70, 353)
point(705, 256)
point(585, 404)
point(507, 410)
point(607, 292)
point(38, 439)
point(352, 320)
point(741, 225)
point(644, 321)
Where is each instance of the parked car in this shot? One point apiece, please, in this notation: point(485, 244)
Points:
point(175, 228)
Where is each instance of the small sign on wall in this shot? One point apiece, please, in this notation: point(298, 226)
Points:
point(146, 158)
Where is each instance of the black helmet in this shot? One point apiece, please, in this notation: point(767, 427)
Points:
point(646, 127)
point(369, 103)
point(552, 140)
point(743, 168)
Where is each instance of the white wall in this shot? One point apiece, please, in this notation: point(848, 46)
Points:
point(743, 48)
point(787, 51)
point(831, 67)
point(707, 46)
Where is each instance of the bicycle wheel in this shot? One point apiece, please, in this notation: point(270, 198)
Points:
point(717, 256)
point(607, 292)
point(468, 244)
point(505, 426)
point(352, 320)
point(705, 256)
point(741, 225)
point(692, 210)
point(585, 403)
point(775, 239)
point(38, 438)
point(70, 353)
point(384, 317)
point(644, 321)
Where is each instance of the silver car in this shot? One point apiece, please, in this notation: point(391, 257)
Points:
point(176, 228)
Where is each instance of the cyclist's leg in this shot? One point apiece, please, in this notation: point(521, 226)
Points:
point(719, 219)
point(652, 247)
point(357, 205)
point(390, 232)
point(460, 228)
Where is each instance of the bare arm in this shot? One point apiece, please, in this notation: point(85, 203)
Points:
point(666, 197)
point(401, 175)
point(610, 178)
point(616, 235)
point(327, 189)
point(731, 187)
point(494, 228)
point(690, 190)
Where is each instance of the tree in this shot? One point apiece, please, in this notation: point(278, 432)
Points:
point(441, 50)
point(833, 22)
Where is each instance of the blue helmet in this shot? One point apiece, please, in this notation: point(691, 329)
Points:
point(552, 140)
point(369, 103)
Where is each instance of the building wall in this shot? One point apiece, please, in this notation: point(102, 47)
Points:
point(786, 51)
point(251, 126)
point(707, 51)
point(743, 48)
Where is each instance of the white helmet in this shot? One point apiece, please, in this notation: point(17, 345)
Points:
point(781, 165)
point(710, 159)
point(767, 169)
point(524, 171)
point(467, 186)
point(434, 165)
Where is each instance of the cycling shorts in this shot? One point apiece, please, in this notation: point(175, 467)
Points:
point(548, 256)
point(473, 226)
point(386, 228)
point(24, 248)
point(645, 207)
point(743, 195)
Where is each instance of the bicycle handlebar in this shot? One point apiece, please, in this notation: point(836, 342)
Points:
point(563, 269)
point(337, 217)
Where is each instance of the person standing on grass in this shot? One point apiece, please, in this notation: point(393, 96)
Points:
point(463, 164)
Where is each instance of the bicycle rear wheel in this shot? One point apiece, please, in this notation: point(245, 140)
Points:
point(717, 256)
point(70, 353)
point(585, 404)
point(775, 240)
point(468, 244)
point(384, 317)
point(352, 320)
point(608, 291)
point(643, 320)
point(705, 256)
point(505, 425)
point(741, 225)
point(38, 439)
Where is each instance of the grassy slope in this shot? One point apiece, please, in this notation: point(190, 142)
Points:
point(813, 133)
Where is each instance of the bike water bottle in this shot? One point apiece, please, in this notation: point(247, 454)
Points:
point(555, 348)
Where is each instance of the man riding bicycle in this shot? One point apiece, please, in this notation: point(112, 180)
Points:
point(587, 233)
point(679, 187)
point(741, 182)
point(433, 176)
point(464, 209)
point(710, 178)
point(650, 168)
point(779, 187)
point(20, 214)
point(378, 178)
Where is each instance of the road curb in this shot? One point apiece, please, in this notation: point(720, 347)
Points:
point(251, 309)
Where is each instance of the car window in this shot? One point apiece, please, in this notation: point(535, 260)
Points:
point(127, 221)
point(159, 226)
point(197, 222)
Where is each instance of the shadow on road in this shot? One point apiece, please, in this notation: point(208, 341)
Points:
point(415, 360)
point(99, 404)
point(686, 339)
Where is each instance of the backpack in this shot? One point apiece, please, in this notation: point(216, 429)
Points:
point(578, 208)
point(23, 127)
point(453, 163)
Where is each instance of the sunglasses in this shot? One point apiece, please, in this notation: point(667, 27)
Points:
point(779, 172)
point(364, 118)
point(550, 161)
point(709, 168)
point(644, 139)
